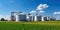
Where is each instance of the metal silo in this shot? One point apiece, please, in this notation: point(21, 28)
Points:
point(45, 18)
point(52, 18)
point(38, 18)
point(42, 18)
point(20, 17)
point(48, 18)
point(29, 17)
point(17, 19)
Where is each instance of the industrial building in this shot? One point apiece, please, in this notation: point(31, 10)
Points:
point(20, 16)
point(29, 17)
point(51, 18)
point(13, 18)
point(38, 17)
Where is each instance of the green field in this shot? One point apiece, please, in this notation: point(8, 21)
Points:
point(46, 25)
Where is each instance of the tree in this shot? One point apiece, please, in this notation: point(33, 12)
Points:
point(2, 19)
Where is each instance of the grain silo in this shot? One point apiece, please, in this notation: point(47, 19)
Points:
point(45, 18)
point(38, 17)
point(52, 18)
point(20, 17)
point(29, 17)
point(42, 18)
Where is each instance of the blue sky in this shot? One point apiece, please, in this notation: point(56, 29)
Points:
point(7, 6)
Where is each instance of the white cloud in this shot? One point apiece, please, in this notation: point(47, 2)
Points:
point(32, 11)
point(42, 6)
point(42, 11)
point(56, 13)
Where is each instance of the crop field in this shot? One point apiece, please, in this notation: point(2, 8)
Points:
point(46, 25)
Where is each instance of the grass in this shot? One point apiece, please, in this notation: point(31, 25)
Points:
point(46, 25)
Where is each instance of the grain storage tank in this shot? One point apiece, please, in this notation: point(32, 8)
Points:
point(48, 18)
point(38, 18)
point(29, 17)
point(42, 18)
point(52, 18)
point(20, 17)
point(45, 18)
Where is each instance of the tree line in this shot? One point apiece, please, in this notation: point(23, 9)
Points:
point(2, 19)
